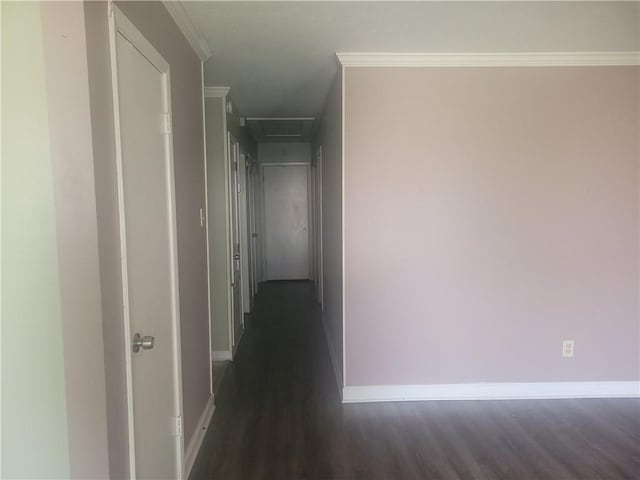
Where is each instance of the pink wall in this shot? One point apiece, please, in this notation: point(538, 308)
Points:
point(490, 214)
point(155, 23)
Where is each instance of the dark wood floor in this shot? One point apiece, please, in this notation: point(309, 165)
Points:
point(278, 416)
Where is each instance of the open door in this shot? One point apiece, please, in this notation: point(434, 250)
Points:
point(147, 214)
point(252, 199)
point(243, 228)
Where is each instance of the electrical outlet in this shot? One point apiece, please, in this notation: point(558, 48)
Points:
point(568, 347)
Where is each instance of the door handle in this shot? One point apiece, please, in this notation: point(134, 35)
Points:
point(236, 256)
point(146, 342)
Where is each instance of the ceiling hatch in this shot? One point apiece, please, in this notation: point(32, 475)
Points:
point(275, 129)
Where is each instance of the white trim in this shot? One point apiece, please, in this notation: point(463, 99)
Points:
point(319, 246)
point(500, 59)
point(216, 92)
point(123, 246)
point(491, 391)
point(173, 242)
point(342, 196)
point(120, 24)
point(198, 436)
point(188, 29)
point(237, 340)
point(128, 30)
point(221, 355)
point(206, 227)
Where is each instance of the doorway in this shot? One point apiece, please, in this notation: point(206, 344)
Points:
point(317, 228)
point(146, 198)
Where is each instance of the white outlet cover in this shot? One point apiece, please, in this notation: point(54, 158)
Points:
point(568, 348)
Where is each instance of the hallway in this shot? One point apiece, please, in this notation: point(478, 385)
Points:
point(278, 416)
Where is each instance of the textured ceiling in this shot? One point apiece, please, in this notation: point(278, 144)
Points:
point(279, 57)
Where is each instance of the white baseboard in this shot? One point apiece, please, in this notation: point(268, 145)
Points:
point(490, 391)
point(221, 355)
point(334, 360)
point(191, 452)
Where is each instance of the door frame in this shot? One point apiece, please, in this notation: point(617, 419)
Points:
point(204, 222)
point(243, 229)
point(119, 23)
point(253, 220)
point(318, 234)
point(233, 190)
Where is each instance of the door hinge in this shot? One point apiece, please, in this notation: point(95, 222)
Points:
point(167, 123)
point(202, 217)
point(179, 432)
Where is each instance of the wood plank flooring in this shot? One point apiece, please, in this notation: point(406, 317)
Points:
point(278, 417)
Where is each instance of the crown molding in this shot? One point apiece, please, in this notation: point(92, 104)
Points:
point(188, 29)
point(524, 59)
point(216, 92)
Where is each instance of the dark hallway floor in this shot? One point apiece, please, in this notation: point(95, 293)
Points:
point(278, 416)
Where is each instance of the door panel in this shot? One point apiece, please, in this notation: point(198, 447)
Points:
point(251, 228)
point(149, 251)
point(287, 221)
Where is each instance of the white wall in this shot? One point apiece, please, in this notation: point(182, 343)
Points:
point(35, 435)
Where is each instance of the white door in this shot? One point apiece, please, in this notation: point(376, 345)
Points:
point(286, 202)
point(237, 315)
point(148, 236)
